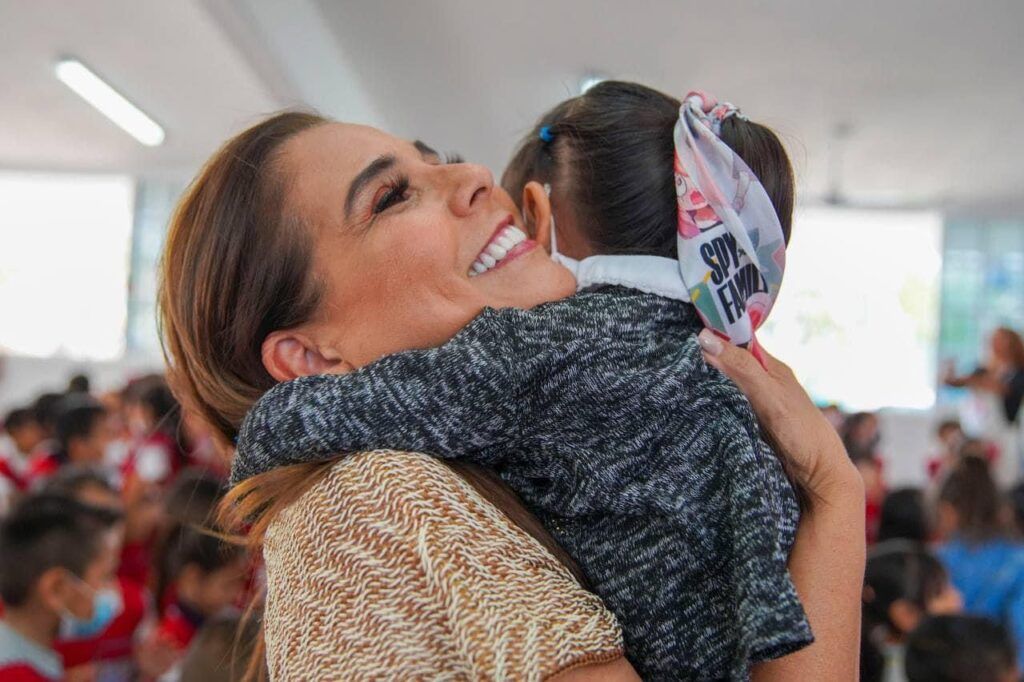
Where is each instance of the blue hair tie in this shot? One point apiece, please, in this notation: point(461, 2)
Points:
point(546, 134)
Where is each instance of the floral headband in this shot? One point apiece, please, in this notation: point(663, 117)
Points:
point(732, 251)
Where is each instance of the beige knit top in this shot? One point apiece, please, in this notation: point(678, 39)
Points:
point(393, 567)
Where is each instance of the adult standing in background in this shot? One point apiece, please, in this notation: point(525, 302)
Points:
point(1000, 382)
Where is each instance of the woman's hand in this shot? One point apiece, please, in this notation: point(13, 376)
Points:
point(827, 561)
point(786, 412)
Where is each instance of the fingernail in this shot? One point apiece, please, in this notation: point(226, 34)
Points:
point(711, 344)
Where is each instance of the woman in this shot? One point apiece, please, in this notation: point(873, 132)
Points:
point(308, 247)
point(985, 563)
point(1000, 385)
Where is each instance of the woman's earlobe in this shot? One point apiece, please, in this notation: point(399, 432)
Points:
point(288, 355)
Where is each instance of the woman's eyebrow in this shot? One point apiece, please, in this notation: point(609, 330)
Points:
point(378, 166)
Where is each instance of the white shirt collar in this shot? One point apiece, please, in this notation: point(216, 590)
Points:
point(650, 274)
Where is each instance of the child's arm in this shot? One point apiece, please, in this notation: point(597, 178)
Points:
point(459, 400)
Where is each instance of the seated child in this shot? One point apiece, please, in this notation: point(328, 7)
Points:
point(646, 465)
point(222, 650)
point(104, 648)
point(199, 576)
point(903, 584)
point(56, 557)
point(960, 649)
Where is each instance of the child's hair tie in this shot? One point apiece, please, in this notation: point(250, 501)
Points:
point(731, 247)
point(546, 134)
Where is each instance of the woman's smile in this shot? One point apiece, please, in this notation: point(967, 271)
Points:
point(507, 242)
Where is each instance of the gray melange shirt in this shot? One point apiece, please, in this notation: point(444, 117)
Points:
point(645, 464)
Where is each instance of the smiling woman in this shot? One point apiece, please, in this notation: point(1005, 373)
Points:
point(252, 294)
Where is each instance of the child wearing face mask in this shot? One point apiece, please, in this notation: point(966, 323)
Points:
point(647, 465)
point(57, 560)
point(199, 576)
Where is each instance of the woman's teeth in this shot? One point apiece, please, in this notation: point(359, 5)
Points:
point(497, 249)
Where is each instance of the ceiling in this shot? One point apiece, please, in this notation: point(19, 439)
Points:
point(930, 91)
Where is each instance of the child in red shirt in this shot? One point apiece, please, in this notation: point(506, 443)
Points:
point(56, 557)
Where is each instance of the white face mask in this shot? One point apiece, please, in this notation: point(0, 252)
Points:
point(571, 263)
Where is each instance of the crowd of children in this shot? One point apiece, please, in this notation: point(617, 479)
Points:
point(110, 564)
point(943, 596)
point(111, 567)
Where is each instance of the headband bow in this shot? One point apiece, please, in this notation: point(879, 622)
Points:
point(732, 249)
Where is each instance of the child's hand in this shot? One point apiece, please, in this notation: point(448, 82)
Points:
point(787, 413)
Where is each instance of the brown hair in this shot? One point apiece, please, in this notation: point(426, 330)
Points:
point(1015, 346)
point(972, 493)
point(237, 266)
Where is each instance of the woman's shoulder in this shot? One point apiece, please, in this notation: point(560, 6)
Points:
point(397, 555)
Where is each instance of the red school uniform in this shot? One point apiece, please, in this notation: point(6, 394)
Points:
point(179, 625)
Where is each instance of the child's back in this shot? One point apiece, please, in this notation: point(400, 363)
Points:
point(646, 465)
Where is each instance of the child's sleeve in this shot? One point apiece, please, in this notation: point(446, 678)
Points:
point(461, 399)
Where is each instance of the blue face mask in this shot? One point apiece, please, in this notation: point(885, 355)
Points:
point(106, 606)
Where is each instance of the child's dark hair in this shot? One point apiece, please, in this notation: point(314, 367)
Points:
point(973, 494)
point(45, 531)
point(194, 496)
point(153, 393)
point(18, 418)
point(903, 516)
point(610, 155)
point(187, 545)
point(71, 479)
point(895, 570)
point(959, 649)
point(78, 420)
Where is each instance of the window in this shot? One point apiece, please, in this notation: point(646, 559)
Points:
point(64, 249)
point(857, 318)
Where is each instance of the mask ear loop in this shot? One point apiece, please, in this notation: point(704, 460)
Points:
point(554, 233)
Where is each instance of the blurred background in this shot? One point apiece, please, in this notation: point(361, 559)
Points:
point(902, 118)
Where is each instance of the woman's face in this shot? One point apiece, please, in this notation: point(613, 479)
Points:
point(396, 234)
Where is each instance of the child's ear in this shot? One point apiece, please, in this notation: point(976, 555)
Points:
point(537, 213)
point(53, 589)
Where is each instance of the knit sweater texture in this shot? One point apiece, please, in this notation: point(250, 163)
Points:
point(645, 464)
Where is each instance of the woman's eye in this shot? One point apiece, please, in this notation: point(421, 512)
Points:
point(451, 158)
point(395, 194)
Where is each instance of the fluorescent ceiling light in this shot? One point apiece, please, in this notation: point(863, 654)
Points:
point(109, 102)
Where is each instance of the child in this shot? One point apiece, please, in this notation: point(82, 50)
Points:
point(960, 649)
point(222, 650)
point(646, 465)
point(83, 432)
point(22, 433)
point(56, 557)
point(105, 650)
point(198, 576)
point(984, 560)
point(903, 583)
point(903, 517)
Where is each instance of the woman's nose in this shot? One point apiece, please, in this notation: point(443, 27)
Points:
point(471, 186)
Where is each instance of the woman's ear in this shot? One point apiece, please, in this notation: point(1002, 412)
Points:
point(288, 355)
point(537, 213)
